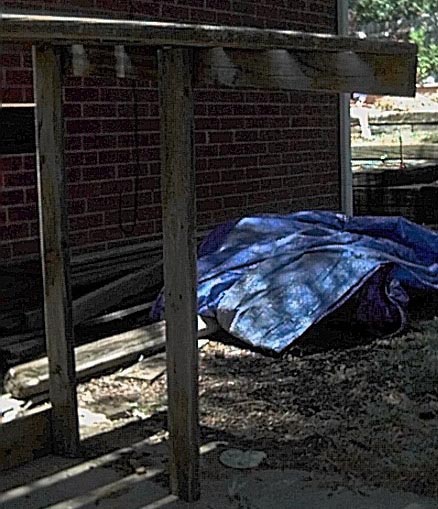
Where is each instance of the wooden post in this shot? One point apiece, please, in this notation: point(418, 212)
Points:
point(178, 188)
point(55, 253)
point(346, 175)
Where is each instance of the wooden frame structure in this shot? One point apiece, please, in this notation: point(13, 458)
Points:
point(188, 55)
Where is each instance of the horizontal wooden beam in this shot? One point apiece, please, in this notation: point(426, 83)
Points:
point(375, 152)
point(70, 29)
point(342, 71)
point(96, 358)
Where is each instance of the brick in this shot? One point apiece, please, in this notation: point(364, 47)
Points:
point(116, 186)
point(105, 234)
point(210, 204)
point(242, 148)
point(207, 150)
point(229, 123)
point(218, 5)
point(147, 154)
point(25, 247)
point(236, 187)
point(83, 126)
point(10, 164)
point(81, 94)
point(171, 12)
point(29, 162)
point(128, 140)
point(76, 207)
point(149, 183)
point(269, 160)
point(145, 8)
point(96, 141)
point(131, 170)
point(81, 158)
point(207, 177)
point(80, 238)
point(115, 156)
point(19, 77)
point(31, 195)
point(11, 197)
point(72, 110)
point(10, 60)
point(100, 110)
point(103, 203)
point(127, 110)
point(85, 221)
point(14, 231)
point(235, 201)
point(202, 16)
point(12, 95)
point(146, 228)
point(88, 190)
point(147, 213)
point(220, 137)
point(244, 7)
point(73, 143)
point(245, 161)
point(22, 213)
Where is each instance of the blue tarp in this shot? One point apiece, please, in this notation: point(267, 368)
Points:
point(267, 279)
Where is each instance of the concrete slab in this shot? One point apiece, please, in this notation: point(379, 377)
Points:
point(131, 478)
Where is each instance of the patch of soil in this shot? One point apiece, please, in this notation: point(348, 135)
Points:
point(368, 413)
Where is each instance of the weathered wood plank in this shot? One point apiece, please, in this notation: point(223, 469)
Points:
point(25, 439)
point(94, 359)
point(178, 188)
point(69, 29)
point(344, 126)
point(343, 71)
point(55, 253)
point(429, 152)
point(113, 293)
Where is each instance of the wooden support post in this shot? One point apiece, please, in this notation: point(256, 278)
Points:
point(345, 173)
point(178, 188)
point(55, 253)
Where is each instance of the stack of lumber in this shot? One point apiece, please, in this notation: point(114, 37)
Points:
point(95, 269)
point(30, 343)
point(20, 301)
point(411, 193)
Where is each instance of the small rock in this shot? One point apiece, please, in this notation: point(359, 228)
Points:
point(122, 410)
point(236, 458)
point(88, 418)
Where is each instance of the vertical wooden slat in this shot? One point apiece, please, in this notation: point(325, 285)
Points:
point(178, 188)
point(55, 249)
point(345, 171)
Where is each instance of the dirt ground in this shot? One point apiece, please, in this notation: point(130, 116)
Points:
point(363, 410)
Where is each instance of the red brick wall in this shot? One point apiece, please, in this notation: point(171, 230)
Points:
point(256, 151)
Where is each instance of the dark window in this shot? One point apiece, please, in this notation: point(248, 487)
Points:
point(17, 129)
